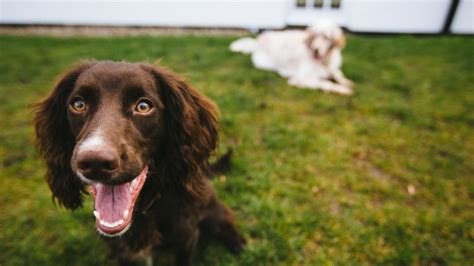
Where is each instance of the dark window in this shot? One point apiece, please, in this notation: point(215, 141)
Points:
point(318, 3)
point(300, 3)
point(335, 3)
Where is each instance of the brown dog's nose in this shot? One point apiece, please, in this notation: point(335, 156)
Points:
point(97, 164)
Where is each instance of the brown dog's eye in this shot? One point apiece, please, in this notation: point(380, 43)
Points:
point(143, 107)
point(78, 105)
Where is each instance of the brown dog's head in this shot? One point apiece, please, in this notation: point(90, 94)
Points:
point(106, 124)
point(322, 37)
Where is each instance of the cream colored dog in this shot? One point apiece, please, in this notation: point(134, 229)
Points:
point(309, 59)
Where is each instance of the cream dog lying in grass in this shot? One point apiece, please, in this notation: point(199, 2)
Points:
point(309, 59)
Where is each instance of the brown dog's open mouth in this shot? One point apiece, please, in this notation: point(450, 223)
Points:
point(114, 204)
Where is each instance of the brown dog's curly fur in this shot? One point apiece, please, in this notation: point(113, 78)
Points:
point(177, 202)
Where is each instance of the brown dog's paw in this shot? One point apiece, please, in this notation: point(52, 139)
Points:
point(237, 244)
point(231, 238)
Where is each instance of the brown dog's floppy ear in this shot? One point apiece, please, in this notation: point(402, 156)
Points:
point(55, 142)
point(191, 132)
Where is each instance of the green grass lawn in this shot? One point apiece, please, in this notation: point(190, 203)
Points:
point(317, 178)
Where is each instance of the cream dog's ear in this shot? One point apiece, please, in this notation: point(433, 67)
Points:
point(309, 37)
point(339, 39)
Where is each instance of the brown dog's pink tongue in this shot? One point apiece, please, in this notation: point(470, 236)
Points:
point(112, 200)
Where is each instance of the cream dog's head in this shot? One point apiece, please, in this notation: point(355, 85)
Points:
point(322, 37)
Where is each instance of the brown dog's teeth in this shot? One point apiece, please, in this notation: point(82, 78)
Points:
point(134, 183)
point(112, 224)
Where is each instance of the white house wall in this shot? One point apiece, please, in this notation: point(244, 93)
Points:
point(463, 20)
point(410, 16)
point(178, 13)
point(414, 16)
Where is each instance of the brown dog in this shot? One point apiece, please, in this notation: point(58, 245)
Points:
point(140, 138)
